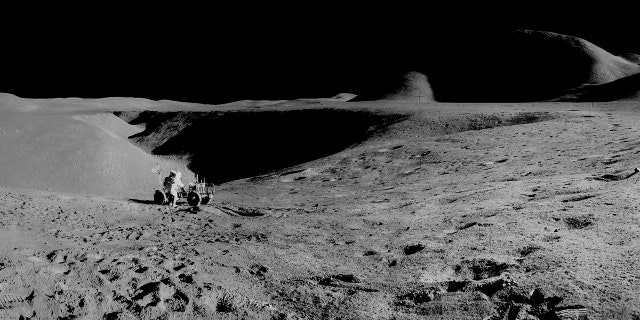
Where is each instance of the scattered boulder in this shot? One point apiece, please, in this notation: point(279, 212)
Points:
point(481, 268)
point(537, 297)
point(413, 248)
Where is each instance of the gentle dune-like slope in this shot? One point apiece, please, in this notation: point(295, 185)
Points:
point(344, 96)
point(590, 64)
point(625, 89)
point(545, 65)
point(633, 57)
point(47, 146)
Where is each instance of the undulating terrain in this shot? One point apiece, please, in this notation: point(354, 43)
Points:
point(452, 211)
point(330, 208)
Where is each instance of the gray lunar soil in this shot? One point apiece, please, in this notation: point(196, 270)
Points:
point(450, 211)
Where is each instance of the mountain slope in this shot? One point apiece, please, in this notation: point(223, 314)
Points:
point(84, 152)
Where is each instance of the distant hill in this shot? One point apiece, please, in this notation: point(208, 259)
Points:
point(411, 86)
point(550, 63)
point(524, 65)
point(73, 145)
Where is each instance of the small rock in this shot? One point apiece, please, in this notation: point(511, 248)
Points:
point(537, 297)
point(370, 253)
point(413, 248)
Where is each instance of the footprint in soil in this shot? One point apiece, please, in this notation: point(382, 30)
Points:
point(173, 265)
point(488, 278)
point(186, 278)
point(370, 253)
point(57, 256)
point(110, 275)
point(258, 270)
point(141, 269)
point(580, 221)
point(54, 262)
point(162, 293)
point(331, 280)
point(134, 236)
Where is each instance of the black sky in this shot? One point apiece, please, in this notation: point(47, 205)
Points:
point(221, 54)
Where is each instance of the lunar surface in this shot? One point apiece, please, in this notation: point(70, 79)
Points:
point(432, 210)
point(346, 207)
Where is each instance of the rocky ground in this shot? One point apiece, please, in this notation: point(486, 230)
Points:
point(487, 211)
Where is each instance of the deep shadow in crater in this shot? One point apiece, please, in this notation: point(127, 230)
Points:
point(225, 146)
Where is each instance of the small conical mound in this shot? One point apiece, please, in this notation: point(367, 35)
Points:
point(412, 86)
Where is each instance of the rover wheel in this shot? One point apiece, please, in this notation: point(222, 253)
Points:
point(159, 197)
point(193, 199)
point(206, 199)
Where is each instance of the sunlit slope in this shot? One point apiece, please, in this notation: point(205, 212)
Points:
point(78, 152)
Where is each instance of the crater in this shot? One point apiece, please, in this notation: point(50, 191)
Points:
point(222, 146)
point(225, 146)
